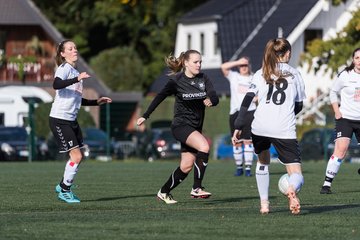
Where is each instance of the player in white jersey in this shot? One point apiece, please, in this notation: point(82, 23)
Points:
point(280, 91)
point(239, 84)
point(347, 116)
point(68, 84)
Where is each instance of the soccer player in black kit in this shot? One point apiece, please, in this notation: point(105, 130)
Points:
point(193, 92)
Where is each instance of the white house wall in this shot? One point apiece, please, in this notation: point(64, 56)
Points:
point(331, 20)
point(209, 58)
point(334, 19)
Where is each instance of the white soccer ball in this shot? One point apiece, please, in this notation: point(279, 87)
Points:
point(283, 184)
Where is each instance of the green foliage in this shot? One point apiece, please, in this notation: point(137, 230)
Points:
point(337, 2)
point(42, 112)
point(147, 26)
point(120, 68)
point(20, 61)
point(336, 52)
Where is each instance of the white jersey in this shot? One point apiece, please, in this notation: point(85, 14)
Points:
point(347, 85)
point(67, 100)
point(239, 86)
point(275, 116)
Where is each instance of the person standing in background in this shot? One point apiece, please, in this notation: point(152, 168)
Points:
point(347, 116)
point(239, 84)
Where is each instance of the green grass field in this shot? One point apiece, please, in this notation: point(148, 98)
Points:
point(118, 202)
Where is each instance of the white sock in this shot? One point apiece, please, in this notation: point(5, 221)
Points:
point(332, 169)
point(296, 180)
point(71, 169)
point(262, 180)
point(248, 155)
point(238, 156)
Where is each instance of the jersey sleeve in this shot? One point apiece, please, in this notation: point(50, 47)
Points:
point(62, 72)
point(169, 89)
point(231, 76)
point(255, 83)
point(336, 88)
point(210, 91)
point(300, 88)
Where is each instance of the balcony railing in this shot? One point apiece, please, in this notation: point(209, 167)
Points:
point(32, 72)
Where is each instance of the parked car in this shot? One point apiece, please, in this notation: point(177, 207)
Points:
point(95, 146)
point(14, 143)
point(223, 148)
point(318, 144)
point(161, 144)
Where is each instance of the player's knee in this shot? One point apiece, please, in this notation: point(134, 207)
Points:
point(204, 147)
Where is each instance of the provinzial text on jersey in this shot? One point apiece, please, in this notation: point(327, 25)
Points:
point(188, 96)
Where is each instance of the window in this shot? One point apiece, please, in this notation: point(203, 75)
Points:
point(189, 41)
point(2, 46)
point(311, 34)
point(2, 119)
point(202, 43)
point(216, 44)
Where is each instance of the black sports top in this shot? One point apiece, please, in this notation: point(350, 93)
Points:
point(190, 93)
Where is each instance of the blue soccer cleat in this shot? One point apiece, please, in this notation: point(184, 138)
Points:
point(68, 197)
point(239, 172)
point(58, 188)
point(248, 173)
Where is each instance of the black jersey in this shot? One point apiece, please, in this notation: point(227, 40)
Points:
point(190, 93)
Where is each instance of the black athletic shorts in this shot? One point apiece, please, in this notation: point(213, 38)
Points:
point(67, 134)
point(346, 127)
point(288, 149)
point(181, 133)
point(246, 131)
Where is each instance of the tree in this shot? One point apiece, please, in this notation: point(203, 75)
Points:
point(120, 68)
point(148, 27)
point(334, 53)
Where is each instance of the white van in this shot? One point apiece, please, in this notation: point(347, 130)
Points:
point(14, 105)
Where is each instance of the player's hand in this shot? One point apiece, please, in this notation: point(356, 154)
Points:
point(140, 121)
point(338, 115)
point(207, 102)
point(82, 76)
point(103, 100)
point(235, 138)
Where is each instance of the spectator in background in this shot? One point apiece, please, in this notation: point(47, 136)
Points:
point(240, 82)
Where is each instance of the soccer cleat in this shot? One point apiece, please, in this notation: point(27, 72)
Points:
point(248, 173)
point(294, 202)
point(199, 193)
point(238, 172)
point(264, 207)
point(325, 190)
point(58, 188)
point(68, 197)
point(166, 197)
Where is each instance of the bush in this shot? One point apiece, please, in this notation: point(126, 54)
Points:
point(120, 68)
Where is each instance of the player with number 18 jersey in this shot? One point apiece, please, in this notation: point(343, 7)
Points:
point(274, 104)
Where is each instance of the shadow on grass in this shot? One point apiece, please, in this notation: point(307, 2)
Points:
point(230, 200)
point(119, 198)
point(329, 208)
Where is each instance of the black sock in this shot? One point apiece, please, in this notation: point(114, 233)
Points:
point(328, 179)
point(200, 164)
point(63, 186)
point(175, 179)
